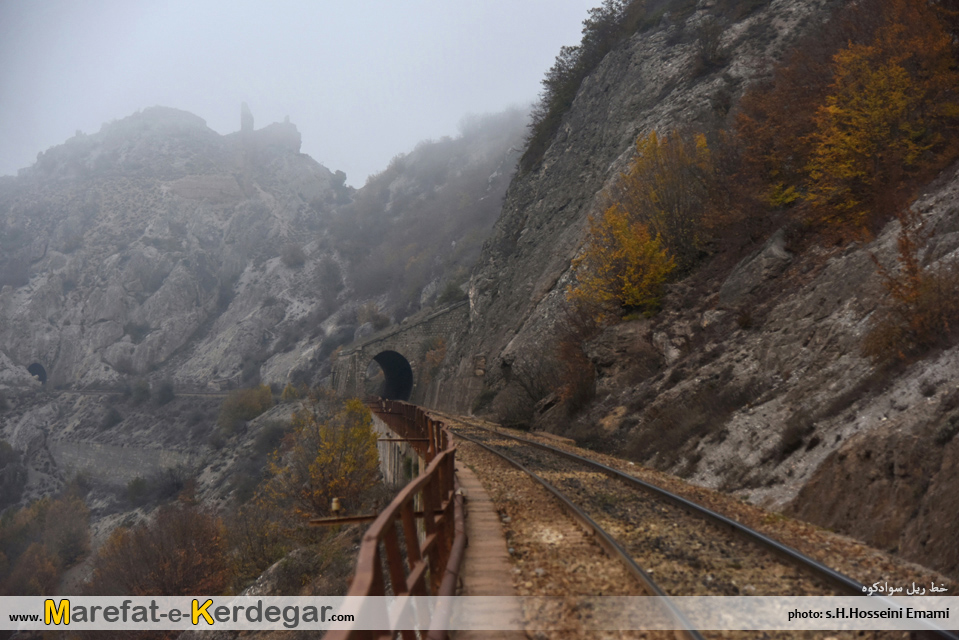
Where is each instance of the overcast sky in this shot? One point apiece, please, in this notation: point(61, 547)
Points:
point(363, 80)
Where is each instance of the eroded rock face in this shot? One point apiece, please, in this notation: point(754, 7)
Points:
point(760, 381)
point(767, 394)
point(158, 237)
point(160, 254)
point(647, 83)
point(893, 486)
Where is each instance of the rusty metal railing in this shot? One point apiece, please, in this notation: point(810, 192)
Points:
point(425, 560)
point(411, 422)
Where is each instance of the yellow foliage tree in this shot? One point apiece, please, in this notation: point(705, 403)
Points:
point(667, 188)
point(870, 126)
point(622, 266)
point(885, 115)
point(330, 453)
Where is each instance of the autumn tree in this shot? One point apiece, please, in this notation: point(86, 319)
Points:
point(36, 573)
point(861, 111)
point(884, 117)
point(666, 189)
point(622, 266)
point(330, 453)
point(922, 306)
point(181, 551)
point(39, 541)
point(774, 120)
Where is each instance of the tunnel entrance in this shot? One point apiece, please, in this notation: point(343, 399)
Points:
point(389, 375)
point(36, 369)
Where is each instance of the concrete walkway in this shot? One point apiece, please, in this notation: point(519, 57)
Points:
point(486, 569)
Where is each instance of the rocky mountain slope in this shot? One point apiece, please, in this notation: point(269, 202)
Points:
point(133, 240)
point(752, 378)
point(157, 252)
point(159, 249)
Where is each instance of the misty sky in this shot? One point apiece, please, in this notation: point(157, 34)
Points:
point(363, 80)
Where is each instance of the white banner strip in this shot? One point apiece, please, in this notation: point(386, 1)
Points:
point(478, 613)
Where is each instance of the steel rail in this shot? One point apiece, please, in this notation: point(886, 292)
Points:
point(685, 629)
point(845, 583)
point(840, 580)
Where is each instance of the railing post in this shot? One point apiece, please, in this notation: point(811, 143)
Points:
point(444, 537)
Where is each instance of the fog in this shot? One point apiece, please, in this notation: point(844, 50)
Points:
point(363, 81)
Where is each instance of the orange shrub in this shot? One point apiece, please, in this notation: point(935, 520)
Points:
point(622, 267)
point(923, 305)
point(180, 552)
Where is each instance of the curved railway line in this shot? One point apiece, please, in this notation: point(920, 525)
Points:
point(671, 545)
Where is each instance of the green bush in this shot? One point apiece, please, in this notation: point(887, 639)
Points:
point(293, 256)
point(451, 293)
point(137, 490)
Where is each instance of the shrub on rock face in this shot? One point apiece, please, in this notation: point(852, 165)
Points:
point(370, 313)
point(451, 293)
point(111, 419)
point(182, 551)
point(293, 256)
point(244, 404)
point(140, 392)
point(13, 475)
point(39, 541)
point(622, 267)
point(332, 453)
point(164, 392)
point(920, 311)
point(290, 393)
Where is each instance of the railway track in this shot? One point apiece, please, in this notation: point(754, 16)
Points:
point(671, 545)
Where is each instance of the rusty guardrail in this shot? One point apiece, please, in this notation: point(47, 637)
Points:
point(433, 552)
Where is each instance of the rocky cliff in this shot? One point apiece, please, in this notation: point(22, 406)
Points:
point(752, 377)
point(158, 253)
point(123, 248)
point(159, 248)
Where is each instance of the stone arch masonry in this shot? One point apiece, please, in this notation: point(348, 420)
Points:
point(410, 339)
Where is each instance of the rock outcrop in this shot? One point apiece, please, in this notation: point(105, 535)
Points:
point(158, 252)
point(155, 233)
point(752, 378)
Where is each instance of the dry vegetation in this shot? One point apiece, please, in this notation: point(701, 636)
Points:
point(328, 451)
point(242, 405)
point(922, 308)
point(857, 116)
point(424, 218)
point(40, 541)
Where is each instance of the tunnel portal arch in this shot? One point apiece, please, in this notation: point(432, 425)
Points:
point(36, 369)
point(354, 374)
point(394, 380)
